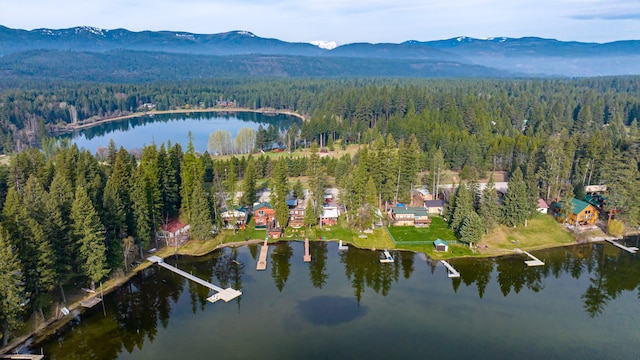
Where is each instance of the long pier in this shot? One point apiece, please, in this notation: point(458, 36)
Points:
point(22, 356)
point(222, 294)
point(632, 249)
point(451, 272)
point(307, 256)
point(534, 260)
point(262, 259)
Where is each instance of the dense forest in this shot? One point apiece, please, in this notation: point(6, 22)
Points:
point(69, 216)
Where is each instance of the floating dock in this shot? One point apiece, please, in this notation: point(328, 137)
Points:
point(262, 259)
point(632, 249)
point(342, 247)
point(451, 272)
point(534, 260)
point(222, 294)
point(387, 258)
point(307, 256)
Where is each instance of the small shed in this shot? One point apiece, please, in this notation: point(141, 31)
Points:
point(542, 206)
point(441, 245)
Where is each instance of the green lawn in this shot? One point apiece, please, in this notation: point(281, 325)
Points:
point(437, 230)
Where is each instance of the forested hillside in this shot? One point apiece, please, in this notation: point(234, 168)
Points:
point(70, 217)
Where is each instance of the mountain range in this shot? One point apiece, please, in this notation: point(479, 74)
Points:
point(88, 53)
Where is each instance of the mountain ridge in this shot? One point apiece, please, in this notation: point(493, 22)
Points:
point(529, 56)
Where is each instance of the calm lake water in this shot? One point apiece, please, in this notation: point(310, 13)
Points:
point(137, 132)
point(583, 304)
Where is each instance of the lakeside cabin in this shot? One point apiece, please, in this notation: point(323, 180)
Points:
point(582, 213)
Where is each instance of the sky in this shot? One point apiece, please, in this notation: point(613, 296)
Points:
point(343, 21)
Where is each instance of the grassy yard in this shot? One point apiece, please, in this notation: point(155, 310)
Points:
point(541, 231)
point(437, 230)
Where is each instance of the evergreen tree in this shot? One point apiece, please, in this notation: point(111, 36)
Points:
point(280, 190)
point(472, 229)
point(462, 207)
point(89, 234)
point(310, 216)
point(516, 208)
point(249, 186)
point(191, 173)
point(489, 207)
point(116, 205)
point(58, 208)
point(201, 222)
point(41, 268)
point(12, 289)
point(141, 211)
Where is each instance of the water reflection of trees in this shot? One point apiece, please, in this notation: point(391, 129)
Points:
point(133, 313)
point(281, 266)
point(279, 121)
point(363, 269)
point(318, 266)
point(611, 272)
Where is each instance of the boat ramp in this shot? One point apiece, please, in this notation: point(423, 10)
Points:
point(221, 294)
point(632, 249)
point(451, 272)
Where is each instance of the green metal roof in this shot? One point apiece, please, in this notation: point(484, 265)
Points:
point(578, 205)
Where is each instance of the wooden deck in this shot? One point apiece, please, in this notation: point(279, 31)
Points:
point(262, 259)
point(632, 250)
point(451, 272)
point(307, 256)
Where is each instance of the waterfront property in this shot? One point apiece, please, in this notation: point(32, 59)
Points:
point(263, 214)
point(174, 233)
point(409, 216)
point(582, 213)
point(234, 218)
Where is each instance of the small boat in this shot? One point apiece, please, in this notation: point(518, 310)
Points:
point(387, 258)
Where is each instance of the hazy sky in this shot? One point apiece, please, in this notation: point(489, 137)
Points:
point(344, 21)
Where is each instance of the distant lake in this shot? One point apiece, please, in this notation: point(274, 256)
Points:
point(584, 303)
point(140, 131)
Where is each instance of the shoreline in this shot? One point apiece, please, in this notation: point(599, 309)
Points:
point(75, 309)
point(93, 121)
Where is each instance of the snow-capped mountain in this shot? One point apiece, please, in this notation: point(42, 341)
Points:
point(328, 45)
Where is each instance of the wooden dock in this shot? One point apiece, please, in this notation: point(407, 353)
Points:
point(262, 259)
point(534, 260)
point(632, 250)
point(451, 272)
point(342, 247)
point(91, 302)
point(22, 356)
point(221, 294)
point(307, 256)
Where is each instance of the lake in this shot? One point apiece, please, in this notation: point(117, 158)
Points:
point(584, 303)
point(137, 132)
